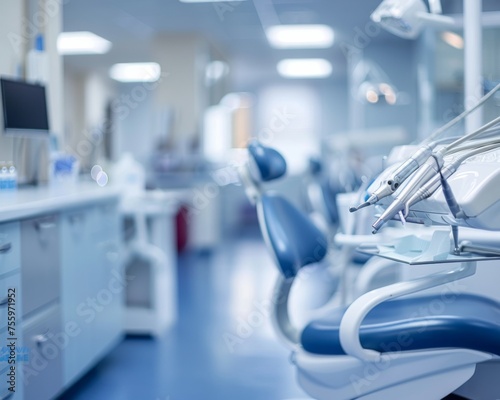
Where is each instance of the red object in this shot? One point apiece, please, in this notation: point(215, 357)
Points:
point(181, 228)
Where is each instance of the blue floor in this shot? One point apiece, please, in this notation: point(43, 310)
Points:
point(222, 347)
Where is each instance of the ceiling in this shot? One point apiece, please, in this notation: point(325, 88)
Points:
point(237, 28)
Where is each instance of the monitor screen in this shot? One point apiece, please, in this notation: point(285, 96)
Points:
point(24, 107)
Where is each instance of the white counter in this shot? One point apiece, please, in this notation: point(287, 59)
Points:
point(31, 201)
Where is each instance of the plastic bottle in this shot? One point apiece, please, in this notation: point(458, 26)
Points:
point(37, 62)
point(12, 181)
point(4, 171)
point(129, 174)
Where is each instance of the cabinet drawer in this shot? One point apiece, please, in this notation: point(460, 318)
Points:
point(40, 271)
point(43, 376)
point(10, 247)
point(6, 283)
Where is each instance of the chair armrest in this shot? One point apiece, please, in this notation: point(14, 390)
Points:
point(359, 309)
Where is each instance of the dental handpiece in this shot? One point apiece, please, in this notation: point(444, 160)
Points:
point(389, 186)
point(429, 188)
point(428, 170)
point(447, 170)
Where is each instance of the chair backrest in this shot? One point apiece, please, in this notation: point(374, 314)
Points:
point(290, 235)
point(266, 163)
point(315, 166)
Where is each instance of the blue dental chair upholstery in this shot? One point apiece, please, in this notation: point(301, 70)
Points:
point(461, 321)
point(328, 194)
point(270, 163)
point(464, 321)
point(295, 240)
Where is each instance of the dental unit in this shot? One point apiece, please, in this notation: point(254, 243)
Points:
point(431, 168)
point(406, 169)
point(415, 351)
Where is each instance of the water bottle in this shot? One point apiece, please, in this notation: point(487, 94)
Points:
point(12, 181)
point(4, 171)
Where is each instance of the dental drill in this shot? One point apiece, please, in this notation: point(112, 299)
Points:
point(389, 186)
point(447, 170)
point(425, 182)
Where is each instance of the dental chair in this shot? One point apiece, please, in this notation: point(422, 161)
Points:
point(267, 165)
point(379, 347)
point(264, 165)
point(348, 266)
point(320, 199)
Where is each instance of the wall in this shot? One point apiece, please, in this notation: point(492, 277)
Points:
point(11, 55)
point(17, 32)
point(183, 59)
point(87, 95)
point(74, 116)
point(397, 59)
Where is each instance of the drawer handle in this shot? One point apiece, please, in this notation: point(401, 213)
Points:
point(45, 225)
point(3, 303)
point(5, 248)
point(7, 396)
point(40, 339)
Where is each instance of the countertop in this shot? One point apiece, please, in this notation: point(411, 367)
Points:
point(27, 202)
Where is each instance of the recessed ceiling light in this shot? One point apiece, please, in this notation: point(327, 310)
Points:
point(300, 36)
point(453, 39)
point(135, 72)
point(304, 68)
point(71, 43)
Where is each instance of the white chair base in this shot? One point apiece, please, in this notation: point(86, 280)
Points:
point(409, 375)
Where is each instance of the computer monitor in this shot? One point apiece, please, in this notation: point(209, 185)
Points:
point(24, 108)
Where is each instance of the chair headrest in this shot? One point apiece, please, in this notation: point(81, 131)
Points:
point(292, 237)
point(315, 166)
point(269, 163)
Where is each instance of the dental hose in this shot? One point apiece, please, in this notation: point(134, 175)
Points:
point(390, 185)
point(428, 177)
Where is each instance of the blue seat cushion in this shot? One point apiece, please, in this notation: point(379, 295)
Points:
point(443, 321)
point(294, 239)
point(269, 162)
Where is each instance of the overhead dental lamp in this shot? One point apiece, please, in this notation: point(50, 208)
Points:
point(407, 18)
point(371, 84)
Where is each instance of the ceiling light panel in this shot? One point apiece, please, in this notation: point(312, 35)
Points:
point(300, 36)
point(72, 43)
point(135, 72)
point(305, 68)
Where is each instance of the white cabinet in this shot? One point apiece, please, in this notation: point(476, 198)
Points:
point(40, 262)
point(43, 375)
point(10, 279)
point(92, 286)
point(40, 294)
point(61, 251)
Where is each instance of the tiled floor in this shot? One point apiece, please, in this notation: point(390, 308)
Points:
point(222, 347)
